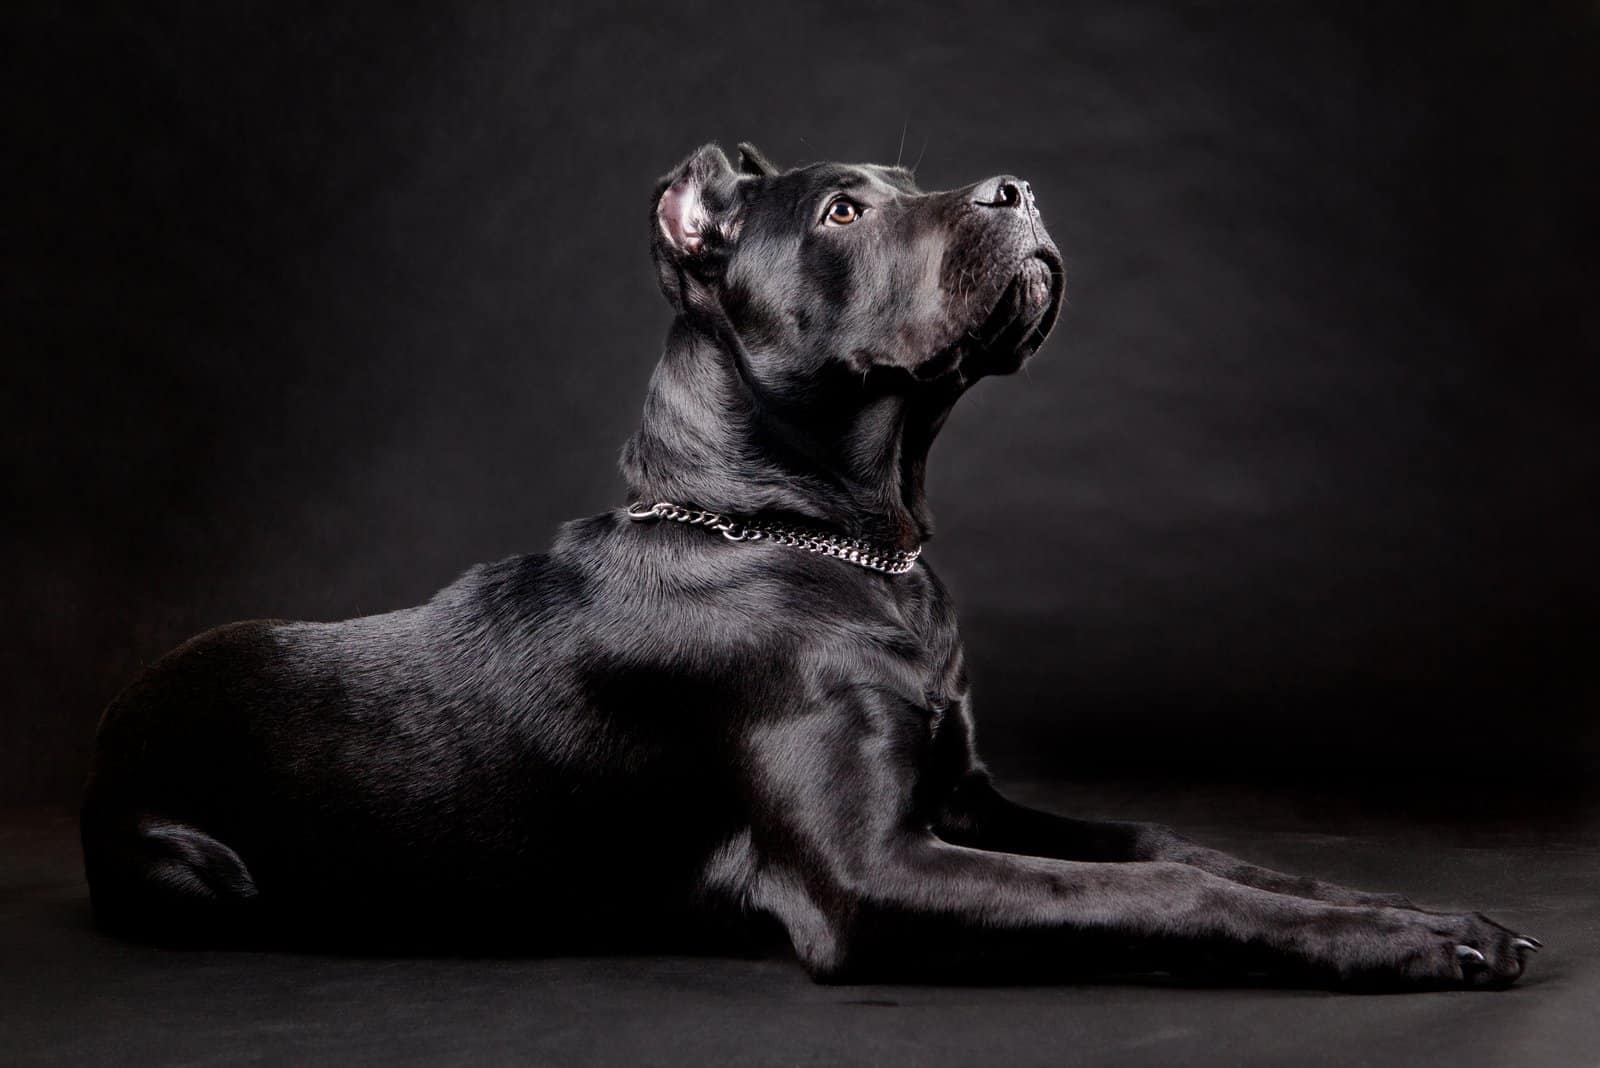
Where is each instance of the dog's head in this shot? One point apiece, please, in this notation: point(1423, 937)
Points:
point(853, 265)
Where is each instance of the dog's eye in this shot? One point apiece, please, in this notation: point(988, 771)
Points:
point(842, 212)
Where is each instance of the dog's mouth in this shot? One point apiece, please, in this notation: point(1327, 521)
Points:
point(1014, 327)
point(1026, 311)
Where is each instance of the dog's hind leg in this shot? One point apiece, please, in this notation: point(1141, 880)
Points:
point(163, 879)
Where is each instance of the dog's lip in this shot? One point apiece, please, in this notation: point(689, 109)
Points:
point(1053, 267)
point(1055, 271)
point(1009, 332)
point(1024, 323)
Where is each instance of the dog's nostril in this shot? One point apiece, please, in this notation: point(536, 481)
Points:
point(1004, 192)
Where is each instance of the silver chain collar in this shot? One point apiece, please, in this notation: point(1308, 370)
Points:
point(861, 553)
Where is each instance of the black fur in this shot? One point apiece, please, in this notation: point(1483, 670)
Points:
point(651, 730)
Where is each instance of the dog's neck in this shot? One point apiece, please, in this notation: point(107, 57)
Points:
point(842, 450)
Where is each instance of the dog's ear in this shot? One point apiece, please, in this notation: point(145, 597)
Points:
point(696, 205)
point(752, 162)
point(695, 222)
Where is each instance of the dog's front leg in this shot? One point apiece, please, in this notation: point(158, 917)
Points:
point(845, 858)
point(870, 919)
point(978, 815)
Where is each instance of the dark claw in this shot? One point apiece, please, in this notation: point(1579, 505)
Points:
point(1524, 942)
point(1468, 953)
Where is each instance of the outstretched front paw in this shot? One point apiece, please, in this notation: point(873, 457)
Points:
point(1464, 950)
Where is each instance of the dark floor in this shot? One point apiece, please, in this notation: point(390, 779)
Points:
point(71, 996)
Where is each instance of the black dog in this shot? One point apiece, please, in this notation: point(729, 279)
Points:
point(744, 696)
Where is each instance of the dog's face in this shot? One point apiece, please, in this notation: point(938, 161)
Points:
point(854, 266)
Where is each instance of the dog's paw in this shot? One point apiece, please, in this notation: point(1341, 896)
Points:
point(1457, 950)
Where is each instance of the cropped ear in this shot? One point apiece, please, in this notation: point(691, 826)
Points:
point(696, 205)
point(752, 162)
point(695, 221)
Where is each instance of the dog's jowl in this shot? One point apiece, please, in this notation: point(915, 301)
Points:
point(736, 702)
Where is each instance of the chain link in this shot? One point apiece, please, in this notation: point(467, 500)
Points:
point(861, 553)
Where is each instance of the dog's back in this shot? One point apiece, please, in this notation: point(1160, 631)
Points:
point(386, 762)
point(541, 733)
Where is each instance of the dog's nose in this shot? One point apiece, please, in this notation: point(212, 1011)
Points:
point(1004, 191)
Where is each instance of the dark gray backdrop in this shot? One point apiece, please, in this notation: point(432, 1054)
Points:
point(306, 313)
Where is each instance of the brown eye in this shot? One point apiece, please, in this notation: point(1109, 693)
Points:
point(843, 212)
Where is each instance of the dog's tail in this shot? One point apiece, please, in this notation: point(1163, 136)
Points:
point(158, 878)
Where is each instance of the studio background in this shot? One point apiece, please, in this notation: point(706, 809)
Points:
point(303, 315)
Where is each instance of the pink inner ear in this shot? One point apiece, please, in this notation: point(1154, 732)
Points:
point(681, 215)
